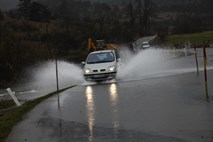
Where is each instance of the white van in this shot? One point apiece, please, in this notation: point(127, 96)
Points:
point(101, 65)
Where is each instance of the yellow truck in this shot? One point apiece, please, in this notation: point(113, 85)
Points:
point(100, 45)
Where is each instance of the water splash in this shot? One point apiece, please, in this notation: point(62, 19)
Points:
point(43, 76)
point(145, 64)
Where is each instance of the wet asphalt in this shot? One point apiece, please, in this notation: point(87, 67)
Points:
point(161, 109)
point(166, 107)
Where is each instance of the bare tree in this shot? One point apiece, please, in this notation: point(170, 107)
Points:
point(64, 14)
point(145, 10)
point(23, 7)
point(140, 11)
point(146, 15)
point(101, 14)
point(131, 14)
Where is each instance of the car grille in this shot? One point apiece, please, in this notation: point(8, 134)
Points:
point(102, 70)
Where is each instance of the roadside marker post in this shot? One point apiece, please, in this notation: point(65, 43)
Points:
point(57, 84)
point(56, 71)
point(185, 52)
point(12, 94)
point(195, 52)
point(205, 71)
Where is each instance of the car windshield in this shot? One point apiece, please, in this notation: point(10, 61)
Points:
point(145, 43)
point(100, 57)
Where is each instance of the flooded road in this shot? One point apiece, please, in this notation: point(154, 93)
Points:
point(164, 102)
point(163, 109)
point(151, 63)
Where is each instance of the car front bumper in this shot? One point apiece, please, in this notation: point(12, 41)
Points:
point(100, 77)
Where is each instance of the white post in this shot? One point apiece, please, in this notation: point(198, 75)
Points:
point(185, 52)
point(187, 45)
point(12, 94)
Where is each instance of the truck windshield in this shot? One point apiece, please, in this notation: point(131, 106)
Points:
point(100, 57)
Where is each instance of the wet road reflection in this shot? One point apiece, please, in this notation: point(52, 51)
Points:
point(113, 94)
point(90, 111)
point(167, 109)
point(114, 101)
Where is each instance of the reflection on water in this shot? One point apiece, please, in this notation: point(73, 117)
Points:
point(114, 101)
point(113, 94)
point(90, 111)
point(90, 107)
point(58, 98)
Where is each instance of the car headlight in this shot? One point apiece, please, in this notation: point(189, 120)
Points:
point(86, 71)
point(111, 68)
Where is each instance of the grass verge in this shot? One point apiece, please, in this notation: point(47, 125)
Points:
point(12, 117)
point(195, 38)
point(4, 104)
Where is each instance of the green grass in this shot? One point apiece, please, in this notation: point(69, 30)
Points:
point(195, 38)
point(12, 117)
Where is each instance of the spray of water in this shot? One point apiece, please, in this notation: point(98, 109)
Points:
point(145, 64)
point(44, 75)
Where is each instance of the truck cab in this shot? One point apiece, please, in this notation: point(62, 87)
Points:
point(101, 65)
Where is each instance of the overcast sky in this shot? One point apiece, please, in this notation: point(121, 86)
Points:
point(8, 4)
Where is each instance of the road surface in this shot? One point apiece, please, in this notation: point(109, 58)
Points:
point(164, 109)
point(168, 108)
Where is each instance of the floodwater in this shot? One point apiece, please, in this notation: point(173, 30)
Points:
point(160, 62)
point(151, 63)
point(171, 108)
point(148, 102)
